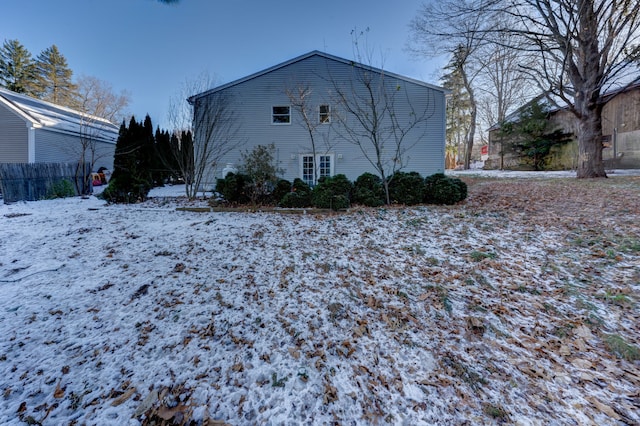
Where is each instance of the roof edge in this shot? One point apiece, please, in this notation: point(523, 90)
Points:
point(192, 98)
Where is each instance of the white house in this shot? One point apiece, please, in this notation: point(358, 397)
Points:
point(313, 97)
point(35, 131)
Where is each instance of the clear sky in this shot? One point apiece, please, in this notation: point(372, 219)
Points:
point(150, 49)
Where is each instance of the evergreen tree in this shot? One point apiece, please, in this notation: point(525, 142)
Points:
point(165, 163)
point(458, 108)
point(17, 68)
point(53, 81)
point(531, 136)
point(131, 178)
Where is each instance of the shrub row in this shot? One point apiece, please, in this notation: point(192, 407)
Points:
point(337, 192)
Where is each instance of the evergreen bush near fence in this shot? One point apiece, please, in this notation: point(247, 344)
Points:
point(36, 181)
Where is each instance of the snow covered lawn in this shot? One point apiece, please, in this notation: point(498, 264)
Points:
point(520, 305)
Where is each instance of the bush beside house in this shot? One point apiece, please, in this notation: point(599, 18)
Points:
point(338, 193)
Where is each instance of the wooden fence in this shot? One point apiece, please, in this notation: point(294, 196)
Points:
point(38, 181)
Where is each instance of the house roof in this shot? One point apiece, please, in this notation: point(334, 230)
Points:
point(307, 56)
point(555, 103)
point(56, 118)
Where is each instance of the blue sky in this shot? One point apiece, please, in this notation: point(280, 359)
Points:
point(150, 49)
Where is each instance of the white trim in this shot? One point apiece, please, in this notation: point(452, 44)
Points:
point(31, 145)
point(316, 165)
point(328, 114)
point(280, 115)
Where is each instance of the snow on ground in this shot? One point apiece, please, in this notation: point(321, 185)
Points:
point(470, 314)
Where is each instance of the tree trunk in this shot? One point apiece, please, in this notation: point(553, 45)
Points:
point(590, 164)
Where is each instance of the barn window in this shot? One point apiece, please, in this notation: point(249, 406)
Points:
point(281, 115)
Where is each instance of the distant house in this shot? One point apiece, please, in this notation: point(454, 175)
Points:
point(265, 107)
point(35, 131)
point(620, 134)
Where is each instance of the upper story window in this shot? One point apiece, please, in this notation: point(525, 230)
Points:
point(325, 114)
point(281, 115)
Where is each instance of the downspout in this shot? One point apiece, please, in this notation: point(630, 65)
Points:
point(615, 143)
point(31, 143)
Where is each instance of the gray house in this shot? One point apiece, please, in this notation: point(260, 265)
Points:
point(325, 116)
point(35, 131)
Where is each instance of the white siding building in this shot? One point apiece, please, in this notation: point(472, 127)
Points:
point(264, 106)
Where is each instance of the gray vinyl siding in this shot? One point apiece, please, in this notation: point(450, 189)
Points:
point(55, 147)
point(254, 98)
point(14, 137)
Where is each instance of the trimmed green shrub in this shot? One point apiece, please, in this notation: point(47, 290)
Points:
point(406, 188)
point(283, 187)
point(298, 196)
point(133, 191)
point(368, 190)
point(232, 188)
point(61, 189)
point(332, 192)
point(440, 189)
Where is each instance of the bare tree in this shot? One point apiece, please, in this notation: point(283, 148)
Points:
point(584, 47)
point(210, 116)
point(100, 107)
point(458, 28)
point(97, 98)
point(369, 117)
point(312, 120)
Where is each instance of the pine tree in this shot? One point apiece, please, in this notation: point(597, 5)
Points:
point(17, 68)
point(131, 178)
point(53, 82)
point(458, 108)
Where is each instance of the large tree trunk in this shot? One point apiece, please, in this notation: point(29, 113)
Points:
point(590, 164)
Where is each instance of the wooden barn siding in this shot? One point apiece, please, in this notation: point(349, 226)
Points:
point(621, 113)
point(254, 99)
point(14, 138)
point(55, 147)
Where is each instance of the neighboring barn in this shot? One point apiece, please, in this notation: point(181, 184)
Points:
point(620, 135)
point(35, 131)
point(268, 109)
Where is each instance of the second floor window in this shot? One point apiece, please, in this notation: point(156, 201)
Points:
point(325, 114)
point(281, 115)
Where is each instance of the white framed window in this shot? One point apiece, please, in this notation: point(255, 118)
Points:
point(322, 164)
point(281, 114)
point(324, 114)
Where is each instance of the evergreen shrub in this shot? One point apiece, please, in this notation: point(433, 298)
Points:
point(441, 189)
point(299, 196)
point(332, 192)
point(126, 191)
point(61, 189)
point(232, 188)
point(282, 188)
point(368, 190)
point(406, 188)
